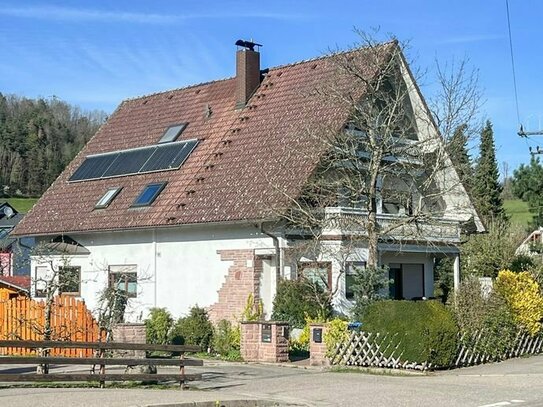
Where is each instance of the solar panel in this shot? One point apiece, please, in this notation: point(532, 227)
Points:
point(93, 167)
point(163, 157)
point(135, 161)
point(129, 162)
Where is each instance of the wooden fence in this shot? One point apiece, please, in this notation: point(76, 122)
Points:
point(384, 350)
point(24, 319)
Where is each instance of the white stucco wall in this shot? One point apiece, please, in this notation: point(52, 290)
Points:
point(177, 267)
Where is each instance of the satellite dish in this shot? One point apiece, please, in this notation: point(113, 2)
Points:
point(8, 212)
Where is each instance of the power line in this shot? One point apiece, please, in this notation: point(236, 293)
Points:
point(512, 59)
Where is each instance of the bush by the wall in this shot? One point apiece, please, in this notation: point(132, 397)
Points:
point(483, 315)
point(226, 340)
point(194, 329)
point(158, 326)
point(336, 332)
point(296, 299)
point(522, 294)
point(427, 330)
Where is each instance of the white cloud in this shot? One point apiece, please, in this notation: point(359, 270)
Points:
point(55, 13)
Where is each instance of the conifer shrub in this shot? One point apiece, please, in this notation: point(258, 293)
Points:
point(426, 330)
point(297, 299)
point(226, 340)
point(194, 329)
point(158, 326)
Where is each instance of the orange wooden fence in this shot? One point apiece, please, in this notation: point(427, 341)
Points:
point(24, 319)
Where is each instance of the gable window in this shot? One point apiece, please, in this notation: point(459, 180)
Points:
point(107, 198)
point(125, 279)
point(172, 133)
point(350, 273)
point(149, 194)
point(318, 273)
point(69, 280)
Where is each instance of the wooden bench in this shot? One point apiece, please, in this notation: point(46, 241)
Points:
point(102, 361)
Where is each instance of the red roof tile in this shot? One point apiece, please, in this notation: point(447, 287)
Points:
point(17, 282)
point(240, 169)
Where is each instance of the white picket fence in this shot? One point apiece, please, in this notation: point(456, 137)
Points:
point(384, 350)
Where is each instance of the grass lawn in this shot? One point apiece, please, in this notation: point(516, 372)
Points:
point(517, 211)
point(22, 204)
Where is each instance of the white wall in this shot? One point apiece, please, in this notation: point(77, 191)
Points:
point(177, 267)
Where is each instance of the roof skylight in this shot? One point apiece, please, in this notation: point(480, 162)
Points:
point(172, 133)
point(149, 194)
point(107, 198)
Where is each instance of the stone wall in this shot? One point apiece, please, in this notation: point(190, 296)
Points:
point(264, 341)
point(317, 347)
point(129, 333)
point(243, 278)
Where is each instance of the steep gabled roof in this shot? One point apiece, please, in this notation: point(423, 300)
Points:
point(242, 167)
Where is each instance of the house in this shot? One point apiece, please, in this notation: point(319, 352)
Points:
point(533, 244)
point(14, 253)
point(173, 198)
point(14, 286)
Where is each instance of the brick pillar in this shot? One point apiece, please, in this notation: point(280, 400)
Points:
point(317, 347)
point(264, 341)
point(130, 333)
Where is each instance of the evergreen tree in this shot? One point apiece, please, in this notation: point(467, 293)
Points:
point(486, 186)
point(457, 148)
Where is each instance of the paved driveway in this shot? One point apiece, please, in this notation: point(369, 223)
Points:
point(515, 383)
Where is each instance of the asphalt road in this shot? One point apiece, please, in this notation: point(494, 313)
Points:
point(515, 382)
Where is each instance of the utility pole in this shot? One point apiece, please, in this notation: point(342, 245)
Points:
point(523, 133)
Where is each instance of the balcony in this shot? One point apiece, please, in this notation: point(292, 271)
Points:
point(341, 220)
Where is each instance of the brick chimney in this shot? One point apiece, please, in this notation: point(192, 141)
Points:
point(247, 72)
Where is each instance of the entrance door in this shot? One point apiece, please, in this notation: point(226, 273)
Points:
point(408, 281)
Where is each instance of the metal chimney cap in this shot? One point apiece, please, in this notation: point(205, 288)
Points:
point(247, 44)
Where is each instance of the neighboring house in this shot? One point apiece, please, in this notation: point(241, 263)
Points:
point(533, 244)
point(14, 253)
point(171, 200)
point(14, 286)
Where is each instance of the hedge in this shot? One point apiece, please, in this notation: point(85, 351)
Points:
point(426, 329)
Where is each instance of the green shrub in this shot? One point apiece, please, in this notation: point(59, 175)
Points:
point(254, 310)
point(426, 329)
point(486, 316)
point(335, 333)
point(158, 326)
point(194, 329)
point(296, 299)
point(226, 338)
point(370, 285)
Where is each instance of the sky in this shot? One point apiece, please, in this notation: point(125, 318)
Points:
point(95, 54)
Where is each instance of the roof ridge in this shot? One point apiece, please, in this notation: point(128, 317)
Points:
point(331, 54)
point(303, 61)
point(194, 85)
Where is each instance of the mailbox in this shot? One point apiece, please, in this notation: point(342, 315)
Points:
point(317, 335)
point(266, 333)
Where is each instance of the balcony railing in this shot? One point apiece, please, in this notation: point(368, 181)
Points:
point(340, 220)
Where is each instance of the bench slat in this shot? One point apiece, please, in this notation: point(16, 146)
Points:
point(78, 377)
point(99, 345)
point(21, 360)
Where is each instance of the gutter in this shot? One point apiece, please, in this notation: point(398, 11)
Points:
point(275, 240)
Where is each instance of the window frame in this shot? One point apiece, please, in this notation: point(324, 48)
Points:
point(349, 271)
point(171, 139)
point(161, 186)
point(61, 269)
point(38, 278)
point(112, 281)
point(114, 192)
point(317, 264)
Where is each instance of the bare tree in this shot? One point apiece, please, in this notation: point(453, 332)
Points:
point(384, 177)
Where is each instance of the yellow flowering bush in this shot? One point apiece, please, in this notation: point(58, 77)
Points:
point(522, 294)
point(336, 332)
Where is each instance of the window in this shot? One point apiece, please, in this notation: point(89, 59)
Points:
point(319, 273)
point(107, 198)
point(40, 285)
point(69, 280)
point(124, 278)
point(149, 194)
point(172, 133)
point(350, 272)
